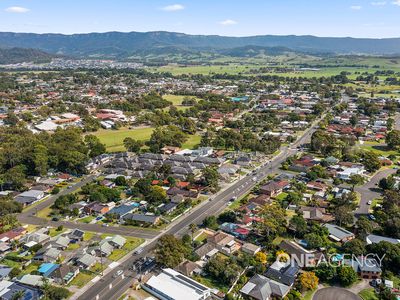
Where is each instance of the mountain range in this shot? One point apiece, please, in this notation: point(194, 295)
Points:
point(124, 44)
point(17, 55)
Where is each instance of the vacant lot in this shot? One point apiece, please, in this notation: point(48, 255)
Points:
point(177, 101)
point(114, 139)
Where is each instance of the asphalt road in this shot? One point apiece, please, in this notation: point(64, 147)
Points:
point(370, 191)
point(334, 293)
point(111, 288)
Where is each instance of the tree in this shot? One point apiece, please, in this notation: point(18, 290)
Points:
point(227, 217)
point(96, 148)
point(55, 190)
point(315, 240)
point(193, 228)
point(18, 295)
point(356, 179)
point(261, 257)
point(211, 177)
point(156, 195)
point(40, 159)
point(55, 293)
point(364, 226)
point(387, 183)
point(325, 272)
point(170, 135)
point(222, 270)
point(273, 220)
point(356, 247)
point(371, 161)
point(308, 281)
point(132, 145)
point(299, 225)
point(120, 181)
point(343, 215)
point(393, 139)
point(170, 251)
point(210, 222)
point(347, 276)
point(294, 295)
point(353, 120)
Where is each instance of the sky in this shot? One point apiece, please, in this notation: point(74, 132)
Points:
point(355, 18)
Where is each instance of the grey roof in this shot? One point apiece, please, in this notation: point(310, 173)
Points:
point(87, 259)
point(338, 232)
point(4, 271)
point(118, 240)
point(262, 288)
point(363, 264)
point(141, 218)
point(286, 275)
point(375, 239)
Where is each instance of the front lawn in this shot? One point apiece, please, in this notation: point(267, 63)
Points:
point(368, 294)
point(72, 247)
point(53, 232)
point(131, 244)
point(86, 220)
point(87, 236)
point(82, 279)
point(282, 196)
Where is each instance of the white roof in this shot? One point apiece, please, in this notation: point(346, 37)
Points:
point(32, 193)
point(4, 287)
point(177, 286)
point(46, 126)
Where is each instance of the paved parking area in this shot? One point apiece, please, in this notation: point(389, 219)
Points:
point(333, 293)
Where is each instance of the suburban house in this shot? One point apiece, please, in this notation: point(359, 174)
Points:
point(142, 219)
point(85, 261)
point(260, 287)
point(29, 197)
point(315, 214)
point(283, 272)
point(339, 234)
point(274, 188)
point(224, 243)
point(376, 239)
point(366, 268)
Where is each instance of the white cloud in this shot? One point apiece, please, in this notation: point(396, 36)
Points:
point(355, 7)
point(173, 7)
point(397, 2)
point(378, 3)
point(17, 9)
point(229, 22)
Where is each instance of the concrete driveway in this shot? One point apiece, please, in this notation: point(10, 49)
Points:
point(335, 293)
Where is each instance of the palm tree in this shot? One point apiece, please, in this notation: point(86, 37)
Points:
point(193, 228)
point(18, 295)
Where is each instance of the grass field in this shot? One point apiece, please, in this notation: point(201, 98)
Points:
point(177, 101)
point(378, 148)
point(114, 139)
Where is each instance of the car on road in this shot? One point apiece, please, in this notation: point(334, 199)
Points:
point(254, 178)
point(369, 202)
point(118, 273)
point(105, 225)
point(138, 251)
